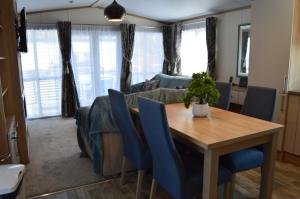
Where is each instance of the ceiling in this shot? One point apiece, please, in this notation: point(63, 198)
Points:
point(160, 10)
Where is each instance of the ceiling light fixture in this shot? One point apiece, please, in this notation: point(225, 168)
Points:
point(114, 12)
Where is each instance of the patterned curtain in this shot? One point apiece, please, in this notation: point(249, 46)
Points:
point(176, 67)
point(211, 34)
point(167, 42)
point(172, 43)
point(70, 101)
point(127, 37)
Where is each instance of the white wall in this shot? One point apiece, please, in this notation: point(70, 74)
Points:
point(85, 16)
point(227, 42)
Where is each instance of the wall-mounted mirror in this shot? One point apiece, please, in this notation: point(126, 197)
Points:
point(243, 50)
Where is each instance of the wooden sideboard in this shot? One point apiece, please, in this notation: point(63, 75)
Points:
point(238, 95)
point(291, 142)
point(237, 99)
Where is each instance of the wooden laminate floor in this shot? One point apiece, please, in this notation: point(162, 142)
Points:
point(286, 186)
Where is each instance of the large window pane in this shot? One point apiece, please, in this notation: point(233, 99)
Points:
point(41, 68)
point(96, 60)
point(110, 56)
point(193, 49)
point(148, 54)
point(82, 66)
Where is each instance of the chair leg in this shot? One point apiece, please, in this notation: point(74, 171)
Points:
point(122, 180)
point(139, 184)
point(229, 188)
point(153, 189)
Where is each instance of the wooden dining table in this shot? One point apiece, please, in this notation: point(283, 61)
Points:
point(220, 133)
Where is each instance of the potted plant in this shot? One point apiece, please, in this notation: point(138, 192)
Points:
point(202, 89)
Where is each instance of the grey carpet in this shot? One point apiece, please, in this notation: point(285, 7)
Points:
point(54, 157)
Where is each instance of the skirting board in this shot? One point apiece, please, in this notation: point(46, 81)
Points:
point(288, 157)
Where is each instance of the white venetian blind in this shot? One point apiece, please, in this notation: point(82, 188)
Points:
point(148, 53)
point(193, 48)
point(41, 68)
point(96, 60)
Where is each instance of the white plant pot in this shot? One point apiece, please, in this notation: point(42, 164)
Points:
point(200, 110)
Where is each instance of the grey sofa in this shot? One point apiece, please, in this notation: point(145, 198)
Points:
point(98, 136)
point(165, 81)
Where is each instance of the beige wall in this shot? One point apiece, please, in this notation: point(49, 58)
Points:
point(270, 42)
point(227, 42)
point(270, 49)
point(84, 16)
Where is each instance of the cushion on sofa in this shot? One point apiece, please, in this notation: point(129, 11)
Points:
point(168, 81)
point(150, 85)
point(139, 87)
point(165, 81)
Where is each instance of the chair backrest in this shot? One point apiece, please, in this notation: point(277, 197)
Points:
point(260, 103)
point(225, 91)
point(133, 147)
point(168, 169)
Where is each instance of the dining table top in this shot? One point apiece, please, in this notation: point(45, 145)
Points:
point(218, 129)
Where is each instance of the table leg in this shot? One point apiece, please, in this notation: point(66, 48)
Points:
point(268, 166)
point(210, 174)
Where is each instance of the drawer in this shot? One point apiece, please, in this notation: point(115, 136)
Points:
point(234, 97)
point(241, 97)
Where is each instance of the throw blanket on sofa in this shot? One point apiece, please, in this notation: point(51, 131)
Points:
point(100, 119)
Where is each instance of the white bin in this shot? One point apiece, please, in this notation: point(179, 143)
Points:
point(11, 181)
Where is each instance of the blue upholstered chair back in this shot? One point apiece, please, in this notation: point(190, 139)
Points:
point(225, 91)
point(133, 147)
point(260, 103)
point(168, 169)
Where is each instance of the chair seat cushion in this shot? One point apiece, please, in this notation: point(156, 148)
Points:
point(193, 164)
point(243, 160)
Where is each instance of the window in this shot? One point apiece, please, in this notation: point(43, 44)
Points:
point(41, 68)
point(193, 49)
point(96, 60)
point(148, 54)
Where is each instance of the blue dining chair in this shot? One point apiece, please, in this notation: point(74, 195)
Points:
point(259, 103)
point(181, 176)
point(225, 91)
point(134, 149)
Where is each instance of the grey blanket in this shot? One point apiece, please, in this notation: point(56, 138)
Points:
point(100, 119)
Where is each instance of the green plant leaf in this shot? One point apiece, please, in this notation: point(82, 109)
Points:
point(203, 87)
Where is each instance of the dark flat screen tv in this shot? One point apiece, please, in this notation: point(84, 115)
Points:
point(22, 47)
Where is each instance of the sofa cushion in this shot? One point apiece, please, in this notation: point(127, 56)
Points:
point(150, 85)
point(168, 81)
point(139, 87)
